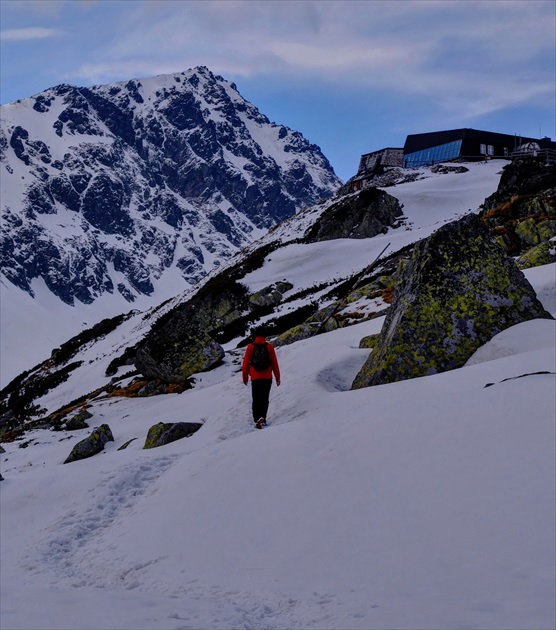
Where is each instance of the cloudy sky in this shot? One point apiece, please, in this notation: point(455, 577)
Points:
point(351, 76)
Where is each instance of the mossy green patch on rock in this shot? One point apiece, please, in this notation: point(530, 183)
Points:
point(369, 342)
point(91, 445)
point(458, 291)
point(542, 254)
point(297, 333)
point(522, 212)
point(532, 231)
point(271, 295)
point(176, 352)
point(165, 432)
point(337, 314)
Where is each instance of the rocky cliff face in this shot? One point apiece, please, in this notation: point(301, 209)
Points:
point(117, 187)
point(362, 215)
point(522, 212)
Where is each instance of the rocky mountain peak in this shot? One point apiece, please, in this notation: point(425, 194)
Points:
point(115, 188)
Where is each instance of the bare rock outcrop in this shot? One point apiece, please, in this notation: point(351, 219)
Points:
point(91, 445)
point(167, 432)
point(458, 291)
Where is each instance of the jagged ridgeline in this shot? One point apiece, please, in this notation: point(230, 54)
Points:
point(110, 189)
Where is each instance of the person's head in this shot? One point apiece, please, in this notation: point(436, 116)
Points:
point(258, 331)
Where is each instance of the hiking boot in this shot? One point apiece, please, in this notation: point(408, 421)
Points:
point(260, 423)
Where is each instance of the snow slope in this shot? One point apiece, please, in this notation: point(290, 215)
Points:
point(428, 503)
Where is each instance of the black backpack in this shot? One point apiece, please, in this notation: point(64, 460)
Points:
point(260, 359)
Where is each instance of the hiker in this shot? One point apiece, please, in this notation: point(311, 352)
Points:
point(259, 363)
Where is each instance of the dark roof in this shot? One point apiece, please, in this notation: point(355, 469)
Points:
point(419, 141)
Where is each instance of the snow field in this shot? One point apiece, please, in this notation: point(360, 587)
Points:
point(422, 504)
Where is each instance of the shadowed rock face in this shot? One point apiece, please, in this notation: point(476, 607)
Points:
point(180, 343)
point(364, 215)
point(458, 291)
point(522, 212)
point(179, 351)
point(167, 432)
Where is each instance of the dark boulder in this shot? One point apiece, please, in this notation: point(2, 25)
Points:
point(126, 444)
point(91, 445)
point(363, 215)
point(458, 291)
point(271, 295)
point(181, 342)
point(166, 432)
point(78, 421)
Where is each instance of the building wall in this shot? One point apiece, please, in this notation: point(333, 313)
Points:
point(429, 148)
point(440, 146)
point(385, 157)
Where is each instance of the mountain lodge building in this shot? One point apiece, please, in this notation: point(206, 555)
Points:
point(455, 145)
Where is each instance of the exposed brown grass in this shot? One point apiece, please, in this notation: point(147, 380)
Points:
point(388, 294)
point(130, 391)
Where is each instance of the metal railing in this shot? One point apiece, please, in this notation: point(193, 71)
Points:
point(548, 156)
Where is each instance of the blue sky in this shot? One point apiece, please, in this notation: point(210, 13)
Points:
point(351, 76)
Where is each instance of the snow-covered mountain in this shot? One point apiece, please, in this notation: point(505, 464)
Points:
point(131, 191)
point(426, 503)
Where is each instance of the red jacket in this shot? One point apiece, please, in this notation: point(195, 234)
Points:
point(248, 370)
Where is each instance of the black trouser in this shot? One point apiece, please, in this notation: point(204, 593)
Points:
point(260, 389)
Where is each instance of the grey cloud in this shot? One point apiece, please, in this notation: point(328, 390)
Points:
point(25, 34)
point(471, 52)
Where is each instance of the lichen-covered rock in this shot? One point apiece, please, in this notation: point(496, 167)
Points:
point(522, 212)
point(458, 291)
point(176, 348)
point(296, 333)
point(78, 421)
point(533, 232)
point(369, 342)
point(519, 178)
point(271, 295)
point(166, 432)
point(91, 445)
point(542, 254)
point(364, 215)
point(181, 342)
point(338, 314)
point(126, 444)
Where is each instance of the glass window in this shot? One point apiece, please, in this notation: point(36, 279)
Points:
point(440, 153)
point(483, 149)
